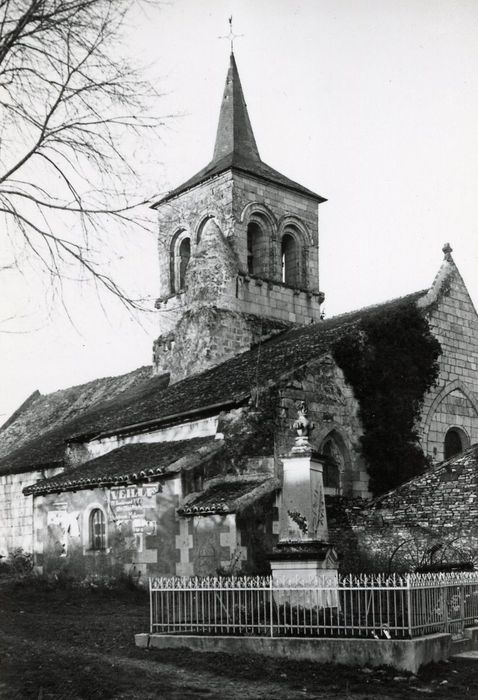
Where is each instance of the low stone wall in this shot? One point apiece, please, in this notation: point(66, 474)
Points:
point(404, 655)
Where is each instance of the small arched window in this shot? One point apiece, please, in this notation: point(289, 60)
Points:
point(180, 255)
point(97, 529)
point(290, 260)
point(184, 255)
point(256, 250)
point(455, 442)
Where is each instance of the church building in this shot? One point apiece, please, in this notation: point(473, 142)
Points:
point(178, 468)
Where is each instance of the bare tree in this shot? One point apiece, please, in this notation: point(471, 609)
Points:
point(71, 109)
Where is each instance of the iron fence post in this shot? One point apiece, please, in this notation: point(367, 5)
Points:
point(271, 607)
point(409, 605)
point(150, 607)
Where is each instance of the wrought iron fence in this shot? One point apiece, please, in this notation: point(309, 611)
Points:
point(378, 606)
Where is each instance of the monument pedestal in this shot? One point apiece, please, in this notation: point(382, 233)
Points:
point(303, 556)
point(307, 574)
point(304, 561)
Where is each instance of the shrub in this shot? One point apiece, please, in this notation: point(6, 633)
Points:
point(18, 563)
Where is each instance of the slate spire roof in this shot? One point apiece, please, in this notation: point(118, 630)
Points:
point(234, 131)
point(235, 147)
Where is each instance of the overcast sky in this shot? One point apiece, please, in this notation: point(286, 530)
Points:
point(371, 103)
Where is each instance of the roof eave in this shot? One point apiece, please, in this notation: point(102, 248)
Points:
point(178, 191)
point(192, 460)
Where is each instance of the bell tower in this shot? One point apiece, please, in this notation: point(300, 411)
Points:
point(238, 251)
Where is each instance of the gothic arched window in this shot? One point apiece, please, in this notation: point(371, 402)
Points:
point(455, 442)
point(256, 250)
point(97, 529)
point(290, 259)
point(180, 255)
point(333, 463)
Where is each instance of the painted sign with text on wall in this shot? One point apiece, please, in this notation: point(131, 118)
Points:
point(129, 504)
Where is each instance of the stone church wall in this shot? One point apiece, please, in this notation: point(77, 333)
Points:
point(276, 300)
point(188, 212)
point(334, 411)
point(16, 510)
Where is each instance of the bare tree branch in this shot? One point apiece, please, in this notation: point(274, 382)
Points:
point(71, 110)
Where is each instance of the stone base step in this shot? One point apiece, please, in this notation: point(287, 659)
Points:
point(471, 655)
point(458, 646)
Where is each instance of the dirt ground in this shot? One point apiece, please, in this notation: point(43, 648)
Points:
point(79, 644)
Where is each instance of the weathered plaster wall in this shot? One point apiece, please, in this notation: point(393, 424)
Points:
point(76, 453)
point(208, 544)
point(144, 534)
point(140, 533)
point(16, 511)
point(454, 401)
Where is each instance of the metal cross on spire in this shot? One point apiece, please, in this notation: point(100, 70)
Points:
point(231, 36)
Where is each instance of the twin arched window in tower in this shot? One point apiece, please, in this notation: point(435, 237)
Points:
point(283, 264)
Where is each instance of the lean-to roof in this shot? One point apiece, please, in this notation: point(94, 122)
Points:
point(136, 462)
point(228, 496)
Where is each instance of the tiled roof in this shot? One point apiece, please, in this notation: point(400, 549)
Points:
point(228, 496)
point(36, 431)
point(131, 463)
point(461, 470)
point(232, 381)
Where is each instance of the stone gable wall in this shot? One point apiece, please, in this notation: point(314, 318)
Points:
point(454, 401)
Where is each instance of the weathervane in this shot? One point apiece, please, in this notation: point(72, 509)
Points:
point(231, 36)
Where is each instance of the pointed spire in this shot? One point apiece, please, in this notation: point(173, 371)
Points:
point(236, 146)
point(234, 132)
